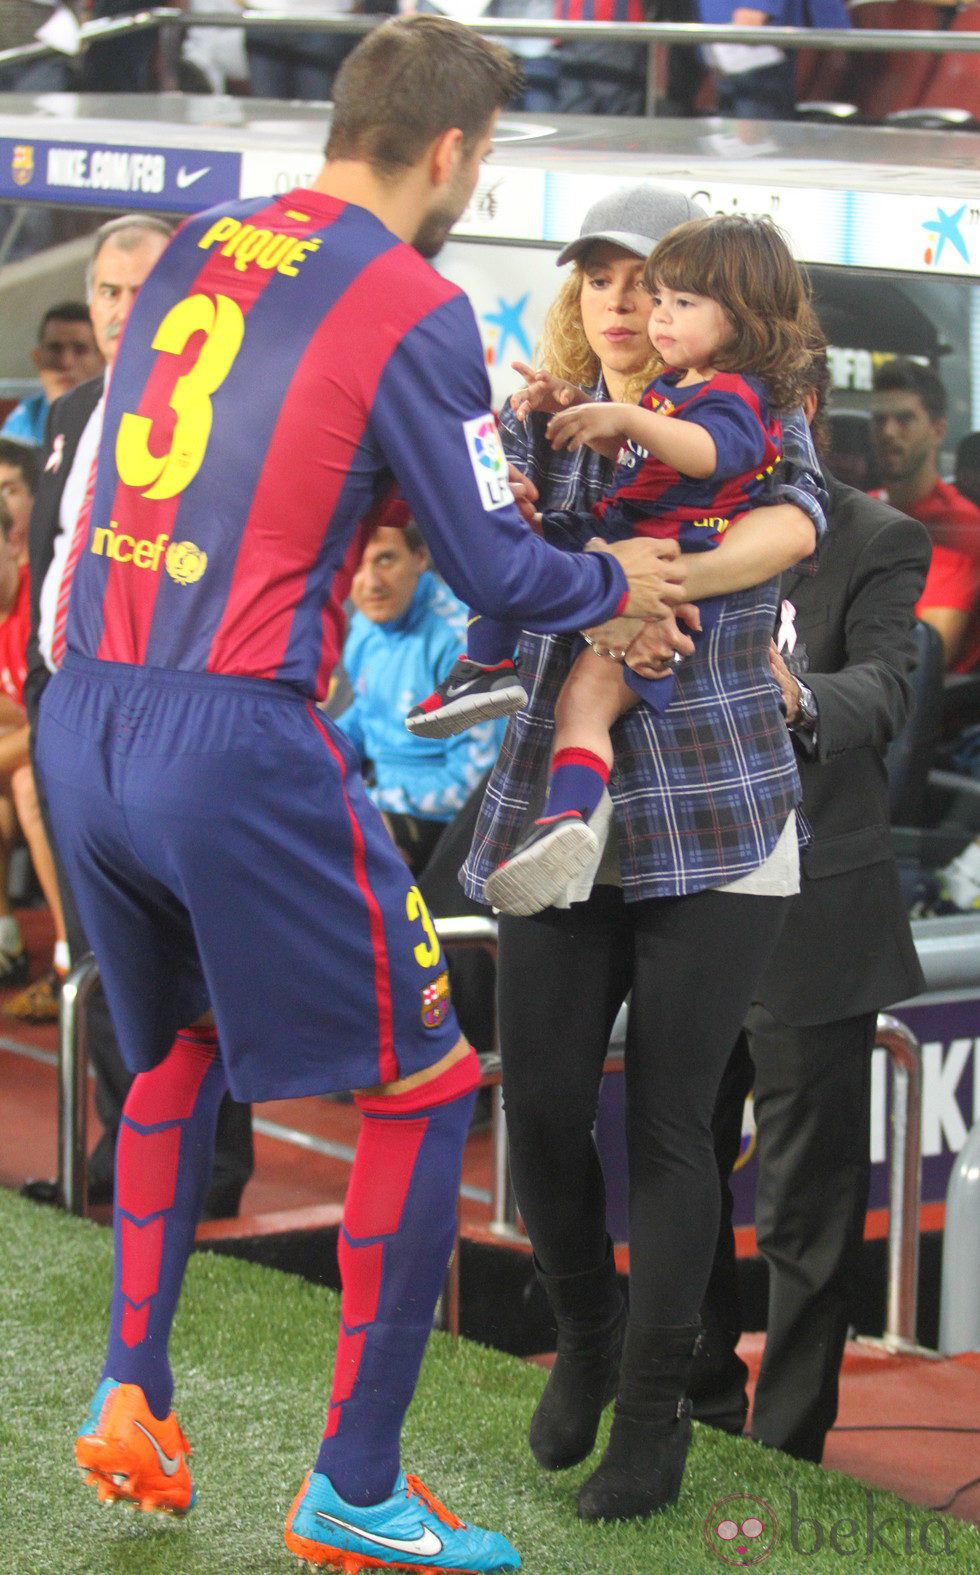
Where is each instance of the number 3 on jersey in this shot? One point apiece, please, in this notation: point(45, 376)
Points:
point(427, 951)
point(223, 325)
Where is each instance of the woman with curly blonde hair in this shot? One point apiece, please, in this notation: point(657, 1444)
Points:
point(732, 325)
point(679, 914)
point(565, 348)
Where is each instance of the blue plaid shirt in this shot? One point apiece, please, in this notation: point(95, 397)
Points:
point(700, 793)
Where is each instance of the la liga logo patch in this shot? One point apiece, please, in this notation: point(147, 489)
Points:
point(488, 460)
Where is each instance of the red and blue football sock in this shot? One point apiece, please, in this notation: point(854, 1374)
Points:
point(397, 1235)
point(164, 1158)
point(577, 783)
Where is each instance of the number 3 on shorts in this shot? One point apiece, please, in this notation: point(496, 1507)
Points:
point(427, 951)
point(224, 326)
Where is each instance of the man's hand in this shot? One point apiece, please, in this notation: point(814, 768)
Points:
point(787, 683)
point(655, 572)
point(543, 392)
point(525, 496)
point(599, 424)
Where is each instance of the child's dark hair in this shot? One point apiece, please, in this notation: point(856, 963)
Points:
point(746, 266)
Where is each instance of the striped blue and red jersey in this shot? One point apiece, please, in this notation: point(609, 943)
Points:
point(651, 498)
point(600, 11)
point(287, 361)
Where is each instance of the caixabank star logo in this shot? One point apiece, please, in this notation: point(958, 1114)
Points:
point(946, 230)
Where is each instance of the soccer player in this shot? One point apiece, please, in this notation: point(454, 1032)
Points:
point(284, 362)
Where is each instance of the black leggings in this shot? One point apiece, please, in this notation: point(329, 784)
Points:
point(692, 964)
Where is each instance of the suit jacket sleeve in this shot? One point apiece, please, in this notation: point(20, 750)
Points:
point(867, 701)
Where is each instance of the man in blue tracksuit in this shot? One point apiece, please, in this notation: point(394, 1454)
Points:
point(405, 635)
point(755, 82)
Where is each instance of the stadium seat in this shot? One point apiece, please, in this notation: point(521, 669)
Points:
point(820, 78)
point(881, 83)
point(951, 97)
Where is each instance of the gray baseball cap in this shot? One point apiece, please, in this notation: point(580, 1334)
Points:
point(635, 217)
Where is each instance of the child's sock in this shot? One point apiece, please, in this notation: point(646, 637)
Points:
point(488, 642)
point(578, 781)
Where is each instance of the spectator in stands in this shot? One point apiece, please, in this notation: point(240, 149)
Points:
point(123, 252)
point(641, 930)
point(297, 64)
point(18, 798)
point(597, 78)
point(65, 355)
point(219, 53)
point(844, 952)
point(14, 628)
point(19, 24)
point(756, 81)
point(119, 65)
point(407, 626)
point(967, 474)
point(19, 466)
point(908, 427)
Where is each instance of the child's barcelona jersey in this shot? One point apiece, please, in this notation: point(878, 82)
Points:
point(285, 362)
point(650, 498)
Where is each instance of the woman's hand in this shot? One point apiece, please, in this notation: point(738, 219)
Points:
point(658, 646)
point(599, 424)
point(543, 391)
point(649, 648)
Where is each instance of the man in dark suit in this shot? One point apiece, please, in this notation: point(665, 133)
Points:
point(845, 951)
point(123, 252)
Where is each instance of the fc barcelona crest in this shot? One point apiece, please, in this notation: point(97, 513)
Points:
point(435, 1001)
point(22, 163)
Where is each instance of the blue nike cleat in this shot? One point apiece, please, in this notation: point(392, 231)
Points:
point(410, 1530)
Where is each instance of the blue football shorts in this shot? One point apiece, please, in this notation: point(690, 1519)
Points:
point(223, 853)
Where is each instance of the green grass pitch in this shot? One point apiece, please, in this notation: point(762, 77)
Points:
point(252, 1351)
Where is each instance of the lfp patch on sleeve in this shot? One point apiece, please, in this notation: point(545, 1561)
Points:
point(488, 461)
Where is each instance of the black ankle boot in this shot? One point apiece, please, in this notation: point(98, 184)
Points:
point(591, 1315)
point(643, 1466)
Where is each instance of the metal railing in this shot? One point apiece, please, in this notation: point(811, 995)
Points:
point(173, 22)
point(905, 1159)
point(904, 1181)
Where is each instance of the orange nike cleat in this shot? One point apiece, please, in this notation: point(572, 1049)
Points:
point(128, 1455)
